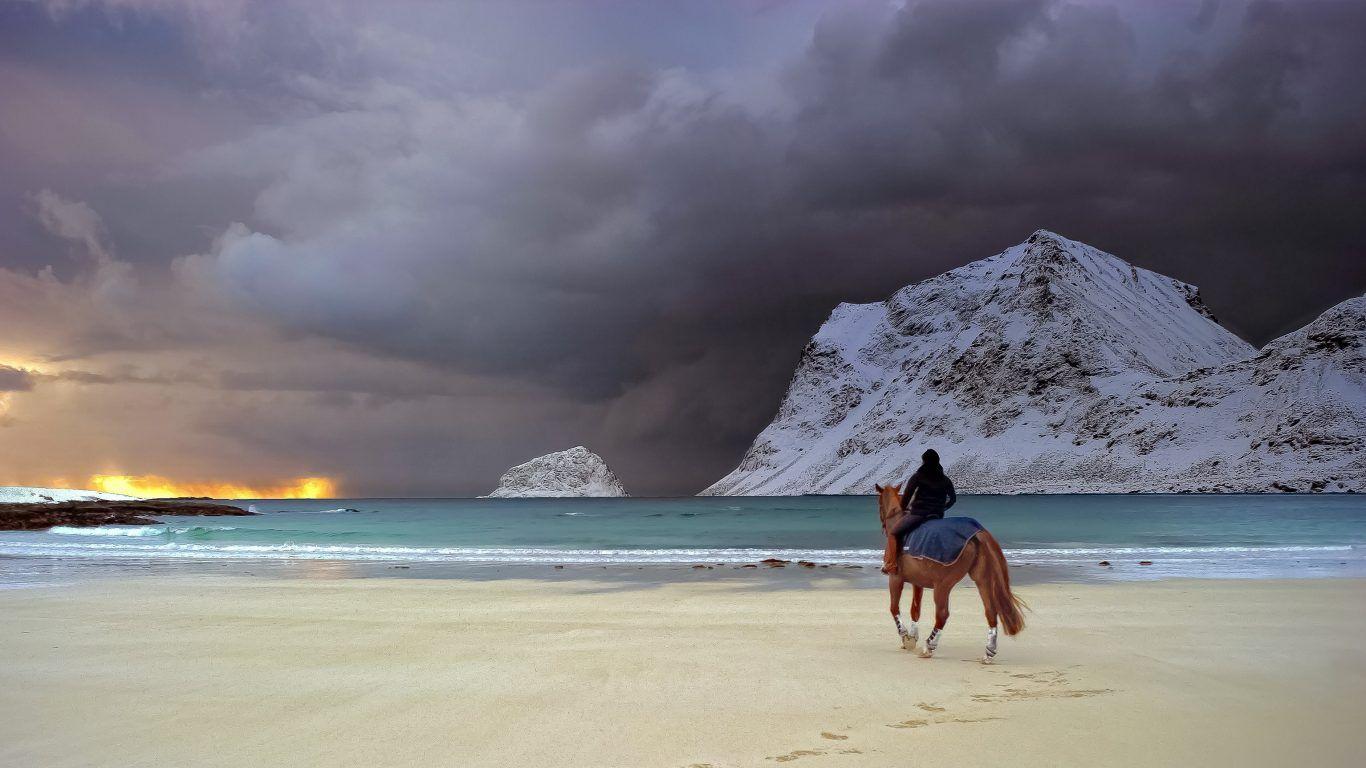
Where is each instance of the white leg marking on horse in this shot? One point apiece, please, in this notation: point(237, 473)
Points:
point(907, 638)
point(991, 646)
point(931, 643)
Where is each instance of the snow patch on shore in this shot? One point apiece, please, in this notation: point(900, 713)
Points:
point(19, 494)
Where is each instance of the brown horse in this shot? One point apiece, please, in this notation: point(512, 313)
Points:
point(981, 558)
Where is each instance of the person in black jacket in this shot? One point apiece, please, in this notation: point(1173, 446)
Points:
point(927, 496)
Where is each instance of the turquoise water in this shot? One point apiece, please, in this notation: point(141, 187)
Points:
point(1182, 535)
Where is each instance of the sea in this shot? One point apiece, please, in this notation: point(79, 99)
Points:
point(1088, 537)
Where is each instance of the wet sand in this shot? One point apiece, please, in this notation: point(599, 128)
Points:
point(246, 671)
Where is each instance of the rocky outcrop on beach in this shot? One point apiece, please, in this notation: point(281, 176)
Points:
point(1054, 367)
point(85, 514)
point(577, 472)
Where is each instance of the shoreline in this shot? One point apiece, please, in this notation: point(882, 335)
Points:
point(233, 671)
point(32, 572)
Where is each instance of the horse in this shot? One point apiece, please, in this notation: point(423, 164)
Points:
point(981, 558)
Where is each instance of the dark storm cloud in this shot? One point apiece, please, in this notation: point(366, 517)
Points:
point(649, 243)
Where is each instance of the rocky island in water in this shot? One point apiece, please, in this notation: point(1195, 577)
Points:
point(27, 509)
point(577, 472)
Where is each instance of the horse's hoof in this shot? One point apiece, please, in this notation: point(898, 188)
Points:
point(988, 660)
point(926, 653)
point(907, 643)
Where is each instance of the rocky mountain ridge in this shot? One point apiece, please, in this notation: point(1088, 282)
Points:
point(1054, 367)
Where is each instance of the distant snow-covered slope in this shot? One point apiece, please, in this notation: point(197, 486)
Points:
point(575, 472)
point(1050, 367)
point(1290, 418)
point(18, 494)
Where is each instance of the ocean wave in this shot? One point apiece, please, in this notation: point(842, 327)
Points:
point(1208, 550)
point(139, 531)
point(199, 530)
point(110, 530)
point(546, 555)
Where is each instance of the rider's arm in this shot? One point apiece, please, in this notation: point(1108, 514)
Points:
point(910, 490)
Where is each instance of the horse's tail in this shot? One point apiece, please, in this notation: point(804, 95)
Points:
point(995, 574)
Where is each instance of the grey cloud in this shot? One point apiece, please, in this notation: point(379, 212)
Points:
point(15, 379)
point(71, 220)
point(648, 247)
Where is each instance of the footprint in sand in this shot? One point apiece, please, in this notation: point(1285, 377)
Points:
point(796, 753)
point(940, 720)
point(1047, 677)
point(929, 707)
point(833, 736)
point(1020, 694)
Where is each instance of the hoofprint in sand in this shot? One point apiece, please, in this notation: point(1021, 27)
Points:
point(238, 671)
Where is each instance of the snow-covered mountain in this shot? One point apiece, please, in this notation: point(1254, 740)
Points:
point(21, 494)
point(1290, 418)
point(1055, 367)
point(575, 472)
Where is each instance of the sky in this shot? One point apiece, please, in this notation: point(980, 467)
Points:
point(403, 246)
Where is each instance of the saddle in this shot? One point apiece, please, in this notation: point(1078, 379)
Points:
point(941, 540)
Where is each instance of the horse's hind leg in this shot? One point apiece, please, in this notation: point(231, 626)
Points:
point(916, 594)
point(990, 608)
point(941, 617)
point(981, 576)
point(894, 586)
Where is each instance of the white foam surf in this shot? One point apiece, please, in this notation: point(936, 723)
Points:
point(138, 531)
point(140, 542)
point(111, 530)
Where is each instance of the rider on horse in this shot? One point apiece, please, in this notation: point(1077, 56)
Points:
point(928, 494)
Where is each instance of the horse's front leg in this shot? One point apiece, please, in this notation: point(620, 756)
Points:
point(894, 585)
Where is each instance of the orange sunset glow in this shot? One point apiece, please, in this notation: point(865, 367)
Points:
point(153, 486)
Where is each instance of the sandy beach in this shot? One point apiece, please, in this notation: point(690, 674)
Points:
point(247, 671)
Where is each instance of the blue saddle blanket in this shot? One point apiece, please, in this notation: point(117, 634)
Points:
point(941, 540)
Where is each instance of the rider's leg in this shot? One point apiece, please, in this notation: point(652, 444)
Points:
point(890, 555)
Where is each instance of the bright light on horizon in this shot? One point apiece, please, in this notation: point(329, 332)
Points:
point(154, 486)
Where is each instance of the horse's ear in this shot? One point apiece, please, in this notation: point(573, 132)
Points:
point(877, 487)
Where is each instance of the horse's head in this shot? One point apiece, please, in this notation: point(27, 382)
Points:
point(888, 503)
